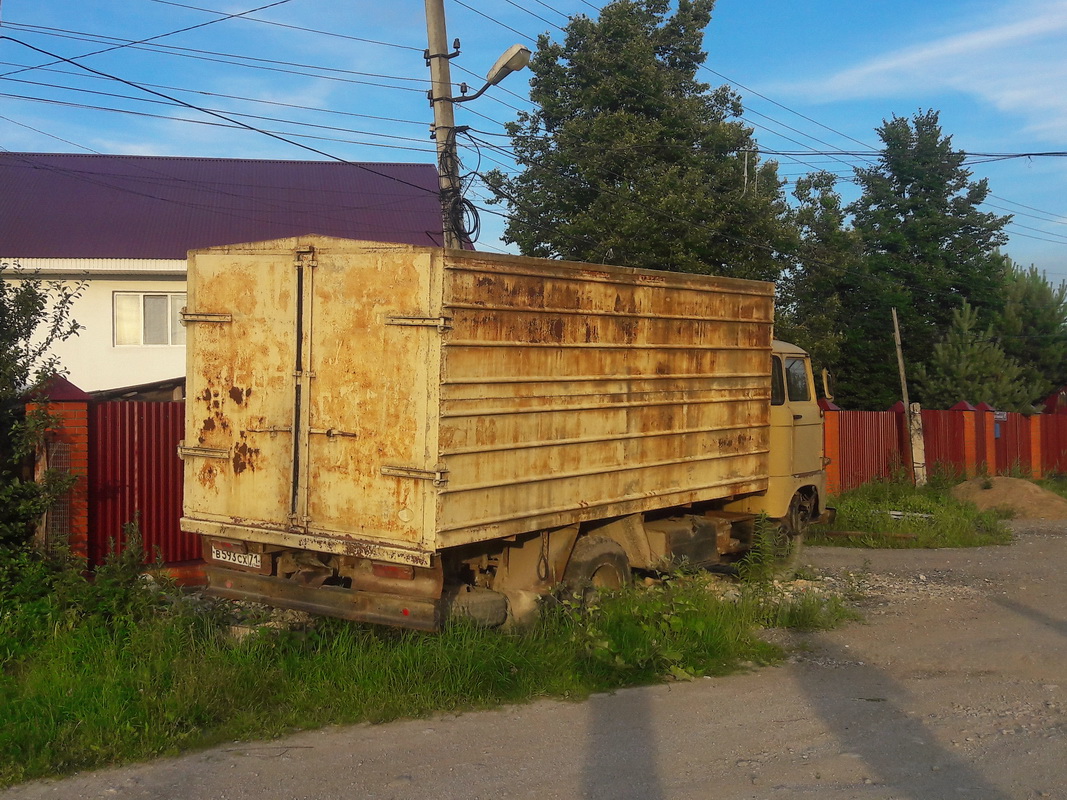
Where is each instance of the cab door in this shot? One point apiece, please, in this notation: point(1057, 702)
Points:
point(806, 415)
point(796, 419)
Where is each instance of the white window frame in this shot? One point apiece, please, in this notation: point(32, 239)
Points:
point(175, 302)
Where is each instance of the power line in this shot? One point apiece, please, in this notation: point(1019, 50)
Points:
point(158, 36)
point(493, 19)
point(223, 117)
point(271, 64)
point(235, 126)
point(334, 34)
point(175, 105)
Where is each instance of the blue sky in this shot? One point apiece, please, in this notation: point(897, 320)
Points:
point(816, 77)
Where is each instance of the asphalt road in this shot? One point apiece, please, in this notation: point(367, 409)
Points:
point(954, 687)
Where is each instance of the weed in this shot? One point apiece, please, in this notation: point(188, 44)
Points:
point(929, 517)
point(98, 673)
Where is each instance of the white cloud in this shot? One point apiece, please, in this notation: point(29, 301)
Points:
point(1015, 63)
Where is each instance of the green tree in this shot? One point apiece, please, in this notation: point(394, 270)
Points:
point(1032, 328)
point(811, 297)
point(967, 364)
point(927, 249)
point(34, 315)
point(629, 159)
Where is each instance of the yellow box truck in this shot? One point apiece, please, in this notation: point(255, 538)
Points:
point(399, 434)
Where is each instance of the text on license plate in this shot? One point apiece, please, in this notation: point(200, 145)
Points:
point(250, 560)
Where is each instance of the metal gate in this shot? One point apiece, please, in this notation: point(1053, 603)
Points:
point(135, 474)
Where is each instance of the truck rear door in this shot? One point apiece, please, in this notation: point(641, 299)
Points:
point(238, 447)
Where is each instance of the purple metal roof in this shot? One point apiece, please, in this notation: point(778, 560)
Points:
point(108, 206)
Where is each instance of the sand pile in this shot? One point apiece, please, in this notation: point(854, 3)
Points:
point(1025, 499)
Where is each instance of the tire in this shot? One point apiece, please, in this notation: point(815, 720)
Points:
point(789, 535)
point(596, 563)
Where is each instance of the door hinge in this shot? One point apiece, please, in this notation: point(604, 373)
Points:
point(441, 323)
point(330, 433)
point(271, 430)
point(202, 452)
point(437, 477)
point(185, 317)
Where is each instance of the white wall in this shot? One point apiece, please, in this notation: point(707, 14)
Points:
point(92, 359)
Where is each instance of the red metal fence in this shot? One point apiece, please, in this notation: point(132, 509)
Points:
point(964, 441)
point(135, 474)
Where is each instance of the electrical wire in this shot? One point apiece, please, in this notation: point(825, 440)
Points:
point(212, 56)
point(223, 117)
point(334, 34)
point(157, 36)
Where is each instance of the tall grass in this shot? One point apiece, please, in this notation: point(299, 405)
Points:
point(931, 517)
point(112, 671)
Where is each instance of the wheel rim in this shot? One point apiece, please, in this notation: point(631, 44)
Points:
point(605, 577)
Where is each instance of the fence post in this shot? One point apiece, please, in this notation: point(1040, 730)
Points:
point(1036, 441)
point(970, 438)
point(988, 435)
point(66, 447)
point(831, 438)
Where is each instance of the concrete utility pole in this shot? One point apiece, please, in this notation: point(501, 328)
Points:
point(912, 413)
point(443, 116)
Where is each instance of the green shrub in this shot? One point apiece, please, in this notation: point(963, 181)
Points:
point(928, 513)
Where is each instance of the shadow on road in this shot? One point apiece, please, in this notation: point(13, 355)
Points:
point(865, 709)
point(621, 754)
point(1058, 625)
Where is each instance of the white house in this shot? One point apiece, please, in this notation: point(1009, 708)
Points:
point(125, 223)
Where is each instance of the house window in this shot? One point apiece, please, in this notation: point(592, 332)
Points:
point(142, 318)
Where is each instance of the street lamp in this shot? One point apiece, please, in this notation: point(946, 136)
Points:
point(515, 58)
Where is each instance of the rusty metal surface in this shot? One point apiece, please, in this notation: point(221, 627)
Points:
point(574, 392)
point(239, 390)
point(388, 399)
point(402, 612)
point(134, 473)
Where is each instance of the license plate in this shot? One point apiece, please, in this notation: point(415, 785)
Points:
point(246, 560)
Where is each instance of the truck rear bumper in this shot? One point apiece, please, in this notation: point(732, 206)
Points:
point(333, 601)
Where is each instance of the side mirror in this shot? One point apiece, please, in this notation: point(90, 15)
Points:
point(827, 384)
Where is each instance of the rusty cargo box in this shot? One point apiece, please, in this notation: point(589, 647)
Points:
point(391, 401)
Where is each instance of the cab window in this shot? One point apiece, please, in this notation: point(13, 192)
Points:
point(777, 382)
point(796, 378)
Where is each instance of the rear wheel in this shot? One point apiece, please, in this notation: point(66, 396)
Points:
point(597, 563)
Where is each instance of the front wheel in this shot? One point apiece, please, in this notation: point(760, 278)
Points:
point(788, 541)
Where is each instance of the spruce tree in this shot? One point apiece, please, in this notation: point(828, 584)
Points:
point(927, 249)
point(1031, 327)
point(968, 365)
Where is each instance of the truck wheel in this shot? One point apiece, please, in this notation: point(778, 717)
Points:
point(789, 535)
point(596, 563)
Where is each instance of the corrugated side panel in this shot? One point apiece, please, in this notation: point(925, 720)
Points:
point(870, 446)
point(575, 392)
point(1054, 442)
point(135, 473)
point(944, 435)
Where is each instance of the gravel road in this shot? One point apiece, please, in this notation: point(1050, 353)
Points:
point(954, 687)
